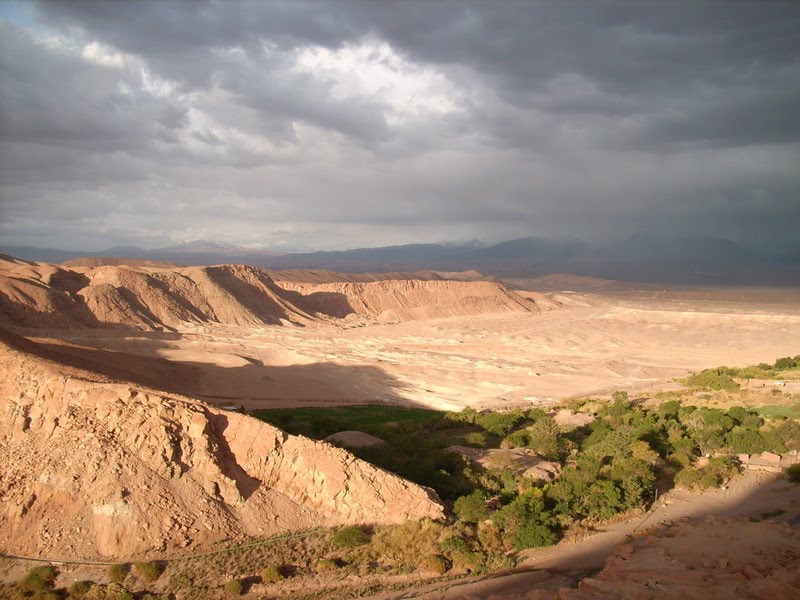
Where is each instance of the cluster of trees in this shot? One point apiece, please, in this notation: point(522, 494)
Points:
point(612, 465)
point(721, 378)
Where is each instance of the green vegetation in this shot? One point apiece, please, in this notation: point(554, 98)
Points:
point(79, 588)
point(148, 571)
point(350, 536)
point(234, 587)
point(326, 564)
point(612, 465)
point(472, 507)
point(715, 473)
point(271, 574)
point(721, 378)
point(794, 473)
point(117, 573)
point(322, 422)
point(39, 579)
point(435, 563)
point(774, 411)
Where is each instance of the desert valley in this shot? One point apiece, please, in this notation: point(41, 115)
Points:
point(453, 300)
point(134, 398)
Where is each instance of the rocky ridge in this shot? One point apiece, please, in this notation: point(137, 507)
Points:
point(93, 467)
point(41, 295)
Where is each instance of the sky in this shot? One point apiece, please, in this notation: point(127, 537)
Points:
point(297, 125)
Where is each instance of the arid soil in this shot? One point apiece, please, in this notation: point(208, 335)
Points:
point(92, 467)
point(233, 335)
point(591, 345)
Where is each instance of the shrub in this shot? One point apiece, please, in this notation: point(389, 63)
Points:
point(435, 563)
point(713, 379)
point(519, 519)
point(350, 537)
point(789, 432)
point(124, 595)
point(271, 574)
point(471, 508)
point(534, 535)
point(688, 478)
point(79, 588)
point(669, 409)
point(489, 537)
point(499, 423)
point(148, 571)
point(39, 579)
point(476, 439)
point(603, 500)
point(324, 565)
point(117, 573)
point(234, 587)
point(794, 473)
point(458, 548)
point(518, 439)
point(405, 544)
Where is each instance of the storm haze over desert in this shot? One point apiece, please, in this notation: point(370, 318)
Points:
point(333, 125)
point(317, 300)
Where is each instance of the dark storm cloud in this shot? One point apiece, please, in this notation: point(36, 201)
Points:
point(354, 123)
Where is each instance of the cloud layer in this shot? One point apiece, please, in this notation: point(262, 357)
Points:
point(303, 124)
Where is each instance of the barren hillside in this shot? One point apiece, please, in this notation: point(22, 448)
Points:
point(147, 298)
point(95, 467)
point(410, 300)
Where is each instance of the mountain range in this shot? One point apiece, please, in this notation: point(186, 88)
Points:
point(646, 257)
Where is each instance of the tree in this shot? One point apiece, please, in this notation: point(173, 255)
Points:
point(525, 520)
point(534, 535)
point(471, 508)
point(544, 437)
point(642, 451)
point(635, 478)
point(603, 500)
point(499, 423)
point(746, 439)
point(789, 432)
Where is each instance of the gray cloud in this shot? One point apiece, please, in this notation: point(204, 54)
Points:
point(321, 124)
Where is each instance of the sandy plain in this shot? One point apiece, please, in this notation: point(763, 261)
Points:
point(593, 343)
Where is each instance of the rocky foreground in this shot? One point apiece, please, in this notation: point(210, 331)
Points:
point(91, 467)
point(704, 559)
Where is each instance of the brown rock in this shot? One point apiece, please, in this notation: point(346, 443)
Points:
point(128, 466)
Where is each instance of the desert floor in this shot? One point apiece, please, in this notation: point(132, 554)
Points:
point(593, 344)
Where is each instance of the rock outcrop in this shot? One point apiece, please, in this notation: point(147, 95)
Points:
point(40, 295)
point(410, 299)
point(95, 467)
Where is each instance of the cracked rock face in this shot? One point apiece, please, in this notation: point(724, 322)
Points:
point(96, 468)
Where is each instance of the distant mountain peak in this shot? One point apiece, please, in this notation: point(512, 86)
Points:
point(192, 243)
